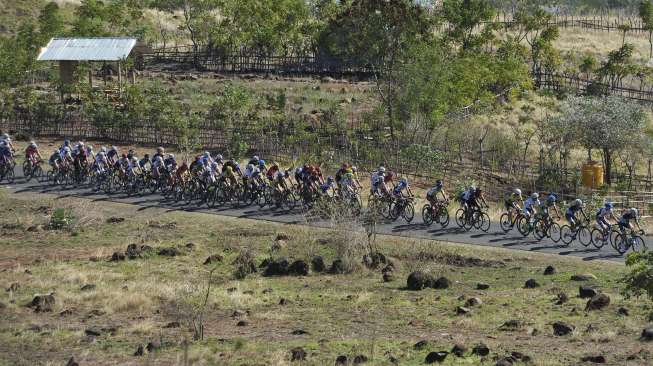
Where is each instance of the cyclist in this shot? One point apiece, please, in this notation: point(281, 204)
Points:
point(228, 173)
point(5, 152)
point(512, 203)
point(54, 160)
point(66, 144)
point(348, 185)
point(170, 163)
point(548, 204)
point(531, 205)
point(254, 160)
point(32, 153)
point(378, 186)
point(397, 192)
point(101, 162)
point(478, 201)
point(570, 214)
point(112, 156)
point(160, 152)
point(627, 217)
point(327, 186)
point(604, 214)
point(251, 175)
point(157, 164)
point(271, 173)
point(466, 197)
point(432, 193)
point(143, 163)
point(7, 140)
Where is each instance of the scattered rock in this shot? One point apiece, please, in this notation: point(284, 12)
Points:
point(14, 287)
point(297, 354)
point(473, 301)
point(561, 298)
point(420, 345)
point(242, 323)
point(338, 267)
point(434, 357)
point(277, 267)
point(115, 220)
point(505, 361)
point(282, 236)
point(283, 302)
point(531, 283)
point(481, 350)
point(482, 286)
point(172, 325)
point(88, 287)
point(562, 329)
point(549, 270)
point(598, 302)
point(389, 268)
point(594, 359)
point(647, 334)
point(299, 332)
point(190, 246)
point(623, 311)
point(42, 303)
point(441, 283)
point(72, 362)
point(512, 324)
point(238, 313)
point(140, 350)
point(388, 277)
point(133, 251)
point(586, 292)
point(318, 264)
point(341, 360)
point(583, 277)
point(153, 346)
point(213, 258)
point(518, 356)
point(117, 256)
point(374, 260)
point(459, 350)
point(298, 268)
point(168, 252)
point(418, 280)
point(93, 332)
point(359, 359)
point(461, 310)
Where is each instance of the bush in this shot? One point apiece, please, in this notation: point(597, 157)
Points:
point(639, 281)
point(61, 218)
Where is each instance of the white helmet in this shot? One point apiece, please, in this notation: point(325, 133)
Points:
point(134, 159)
point(172, 156)
point(219, 157)
point(160, 150)
point(535, 195)
point(255, 157)
point(207, 154)
point(5, 136)
point(578, 202)
point(634, 211)
point(250, 167)
point(517, 191)
point(382, 169)
point(113, 148)
point(102, 153)
point(32, 144)
point(66, 149)
point(103, 149)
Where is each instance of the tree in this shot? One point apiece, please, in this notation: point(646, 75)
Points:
point(646, 14)
point(465, 18)
point(535, 28)
point(95, 18)
point(588, 66)
point(617, 66)
point(639, 281)
point(50, 22)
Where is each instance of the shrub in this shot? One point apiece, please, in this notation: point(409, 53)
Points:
point(61, 218)
point(639, 281)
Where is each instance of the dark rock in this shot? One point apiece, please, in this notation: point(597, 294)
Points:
point(153, 346)
point(549, 270)
point(623, 311)
point(282, 236)
point(359, 359)
point(586, 292)
point(647, 334)
point(473, 301)
point(374, 260)
point(146, 249)
point(190, 246)
point(482, 286)
point(267, 291)
point(88, 287)
point(481, 350)
point(14, 287)
point(213, 258)
point(168, 252)
point(172, 325)
point(518, 356)
point(238, 313)
point(283, 301)
point(341, 360)
point(512, 324)
point(417, 281)
point(594, 359)
point(459, 350)
point(531, 283)
point(393, 360)
point(115, 220)
point(117, 256)
point(297, 354)
point(505, 361)
point(277, 267)
point(299, 332)
point(421, 345)
point(318, 264)
point(133, 251)
point(562, 329)
point(598, 302)
point(561, 298)
point(93, 332)
point(2, 305)
point(298, 268)
point(72, 362)
point(338, 267)
point(441, 283)
point(388, 277)
point(242, 323)
point(140, 351)
point(460, 310)
point(583, 277)
point(434, 357)
point(42, 303)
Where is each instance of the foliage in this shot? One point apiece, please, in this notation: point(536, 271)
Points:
point(61, 218)
point(639, 281)
point(467, 21)
point(95, 18)
point(646, 14)
point(617, 66)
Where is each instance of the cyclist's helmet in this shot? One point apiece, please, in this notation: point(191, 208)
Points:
point(439, 183)
point(146, 156)
point(517, 192)
point(552, 198)
point(102, 153)
point(66, 143)
point(381, 169)
point(3, 143)
point(634, 212)
point(66, 150)
point(609, 205)
point(535, 195)
point(81, 143)
point(255, 158)
point(250, 167)
point(5, 136)
point(124, 156)
point(219, 157)
point(172, 156)
point(261, 163)
point(578, 202)
point(330, 179)
point(32, 144)
point(160, 150)
point(134, 159)
point(207, 154)
point(103, 149)
point(403, 181)
point(354, 169)
point(113, 148)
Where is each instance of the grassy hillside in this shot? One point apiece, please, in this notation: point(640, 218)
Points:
point(13, 12)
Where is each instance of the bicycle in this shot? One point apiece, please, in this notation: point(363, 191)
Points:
point(403, 207)
point(32, 169)
point(546, 227)
point(7, 171)
point(438, 213)
point(601, 236)
point(629, 239)
point(507, 223)
point(580, 232)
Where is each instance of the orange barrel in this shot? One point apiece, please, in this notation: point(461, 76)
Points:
point(598, 175)
point(587, 174)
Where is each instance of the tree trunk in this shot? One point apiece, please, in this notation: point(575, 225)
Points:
point(607, 156)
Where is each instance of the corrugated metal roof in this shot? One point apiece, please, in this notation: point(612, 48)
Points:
point(87, 49)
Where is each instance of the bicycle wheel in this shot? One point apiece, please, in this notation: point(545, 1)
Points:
point(524, 226)
point(408, 212)
point(619, 244)
point(584, 236)
point(460, 217)
point(485, 222)
point(443, 217)
point(27, 171)
point(290, 201)
point(356, 205)
point(566, 234)
point(10, 176)
point(599, 238)
point(505, 223)
point(637, 243)
point(539, 230)
point(554, 232)
point(427, 218)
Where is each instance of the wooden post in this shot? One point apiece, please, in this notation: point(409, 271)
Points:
point(119, 78)
point(90, 76)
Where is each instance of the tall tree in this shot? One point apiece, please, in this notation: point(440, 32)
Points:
point(50, 22)
point(646, 14)
point(468, 22)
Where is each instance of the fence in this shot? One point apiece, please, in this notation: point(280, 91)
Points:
point(601, 22)
point(562, 82)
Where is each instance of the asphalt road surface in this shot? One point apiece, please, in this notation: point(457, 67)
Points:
point(495, 237)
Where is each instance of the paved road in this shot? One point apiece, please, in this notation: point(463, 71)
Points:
point(495, 237)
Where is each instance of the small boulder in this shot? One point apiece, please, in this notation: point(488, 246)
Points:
point(140, 350)
point(473, 301)
point(282, 236)
point(93, 332)
point(190, 246)
point(88, 287)
point(374, 260)
point(390, 267)
point(598, 302)
point(418, 280)
point(505, 361)
point(297, 354)
point(549, 270)
point(72, 362)
point(441, 283)
point(153, 346)
point(388, 277)
point(341, 360)
point(42, 303)
point(583, 277)
point(531, 283)
point(168, 252)
point(420, 345)
point(623, 311)
point(115, 220)
point(117, 257)
point(594, 359)
point(481, 350)
point(587, 292)
point(338, 267)
point(318, 264)
point(512, 324)
point(360, 359)
point(482, 286)
point(298, 268)
point(277, 267)
point(133, 251)
point(434, 357)
point(461, 310)
point(242, 323)
point(299, 332)
point(172, 325)
point(561, 298)
point(647, 334)
point(213, 258)
point(562, 329)
point(459, 350)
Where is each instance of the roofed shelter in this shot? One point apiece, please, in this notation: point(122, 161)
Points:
point(69, 52)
